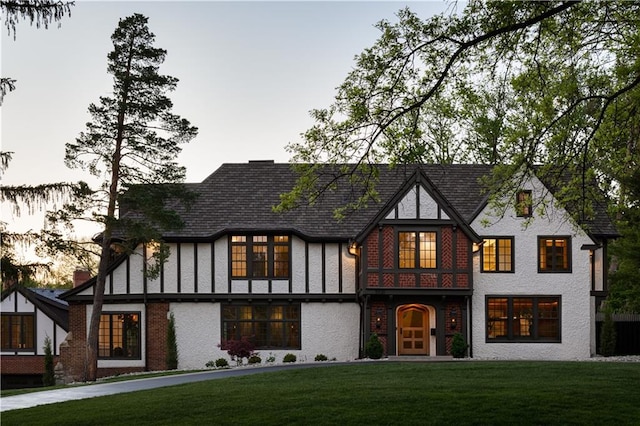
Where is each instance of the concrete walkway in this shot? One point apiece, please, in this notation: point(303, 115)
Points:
point(33, 399)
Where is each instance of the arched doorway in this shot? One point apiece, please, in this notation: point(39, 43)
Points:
point(413, 330)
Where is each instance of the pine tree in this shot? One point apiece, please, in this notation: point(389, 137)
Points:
point(132, 142)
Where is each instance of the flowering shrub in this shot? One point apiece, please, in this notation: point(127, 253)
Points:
point(238, 349)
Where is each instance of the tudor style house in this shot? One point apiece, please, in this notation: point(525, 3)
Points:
point(428, 260)
point(29, 316)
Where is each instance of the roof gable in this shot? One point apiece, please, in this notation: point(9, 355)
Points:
point(46, 300)
point(419, 199)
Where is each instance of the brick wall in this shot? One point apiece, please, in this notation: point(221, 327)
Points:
point(388, 248)
point(23, 364)
point(157, 324)
point(373, 252)
point(462, 250)
point(447, 248)
point(72, 350)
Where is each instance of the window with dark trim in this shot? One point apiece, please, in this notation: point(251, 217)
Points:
point(119, 335)
point(554, 254)
point(523, 319)
point(497, 254)
point(417, 250)
point(524, 204)
point(266, 326)
point(18, 332)
point(260, 256)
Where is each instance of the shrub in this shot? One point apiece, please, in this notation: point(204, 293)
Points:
point(271, 359)
point(289, 358)
point(221, 363)
point(321, 357)
point(255, 359)
point(608, 335)
point(172, 344)
point(238, 349)
point(48, 378)
point(374, 348)
point(459, 346)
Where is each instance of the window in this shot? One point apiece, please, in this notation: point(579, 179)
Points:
point(267, 326)
point(417, 248)
point(523, 319)
point(260, 256)
point(524, 205)
point(497, 255)
point(18, 332)
point(119, 335)
point(554, 254)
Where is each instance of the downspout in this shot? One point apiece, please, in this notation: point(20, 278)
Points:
point(146, 310)
point(469, 322)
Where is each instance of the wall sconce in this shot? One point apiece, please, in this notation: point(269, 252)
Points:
point(453, 319)
point(476, 247)
point(378, 318)
point(353, 248)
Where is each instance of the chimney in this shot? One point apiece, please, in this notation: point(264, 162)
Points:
point(80, 276)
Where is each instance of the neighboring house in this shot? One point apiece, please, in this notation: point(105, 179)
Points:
point(29, 316)
point(426, 261)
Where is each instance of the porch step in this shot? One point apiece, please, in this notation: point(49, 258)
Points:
point(412, 358)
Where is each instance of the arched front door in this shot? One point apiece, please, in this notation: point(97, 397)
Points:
point(413, 330)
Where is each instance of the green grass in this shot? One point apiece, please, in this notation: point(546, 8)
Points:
point(496, 393)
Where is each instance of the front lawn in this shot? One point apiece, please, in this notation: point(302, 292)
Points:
point(376, 393)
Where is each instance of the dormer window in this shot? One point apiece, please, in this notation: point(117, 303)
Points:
point(524, 205)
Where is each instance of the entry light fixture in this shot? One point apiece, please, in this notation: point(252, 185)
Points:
point(378, 318)
point(353, 248)
point(453, 320)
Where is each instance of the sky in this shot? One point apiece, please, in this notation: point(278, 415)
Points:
point(249, 73)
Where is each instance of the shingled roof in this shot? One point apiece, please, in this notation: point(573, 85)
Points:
point(239, 198)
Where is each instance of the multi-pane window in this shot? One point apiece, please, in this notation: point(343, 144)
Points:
point(260, 256)
point(18, 332)
point(267, 326)
point(497, 255)
point(417, 250)
point(119, 335)
point(554, 254)
point(524, 205)
point(523, 319)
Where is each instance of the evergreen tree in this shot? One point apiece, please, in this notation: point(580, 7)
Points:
point(172, 344)
point(49, 378)
point(131, 142)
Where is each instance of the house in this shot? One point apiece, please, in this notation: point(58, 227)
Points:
point(428, 260)
point(29, 316)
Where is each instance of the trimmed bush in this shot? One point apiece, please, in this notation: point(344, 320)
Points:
point(459, 346)
point(374, 348)
point(221, 363)
point(321, 357)
point(289, 358)
point(255, 359)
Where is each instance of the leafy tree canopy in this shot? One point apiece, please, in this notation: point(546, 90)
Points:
point(551, 86)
